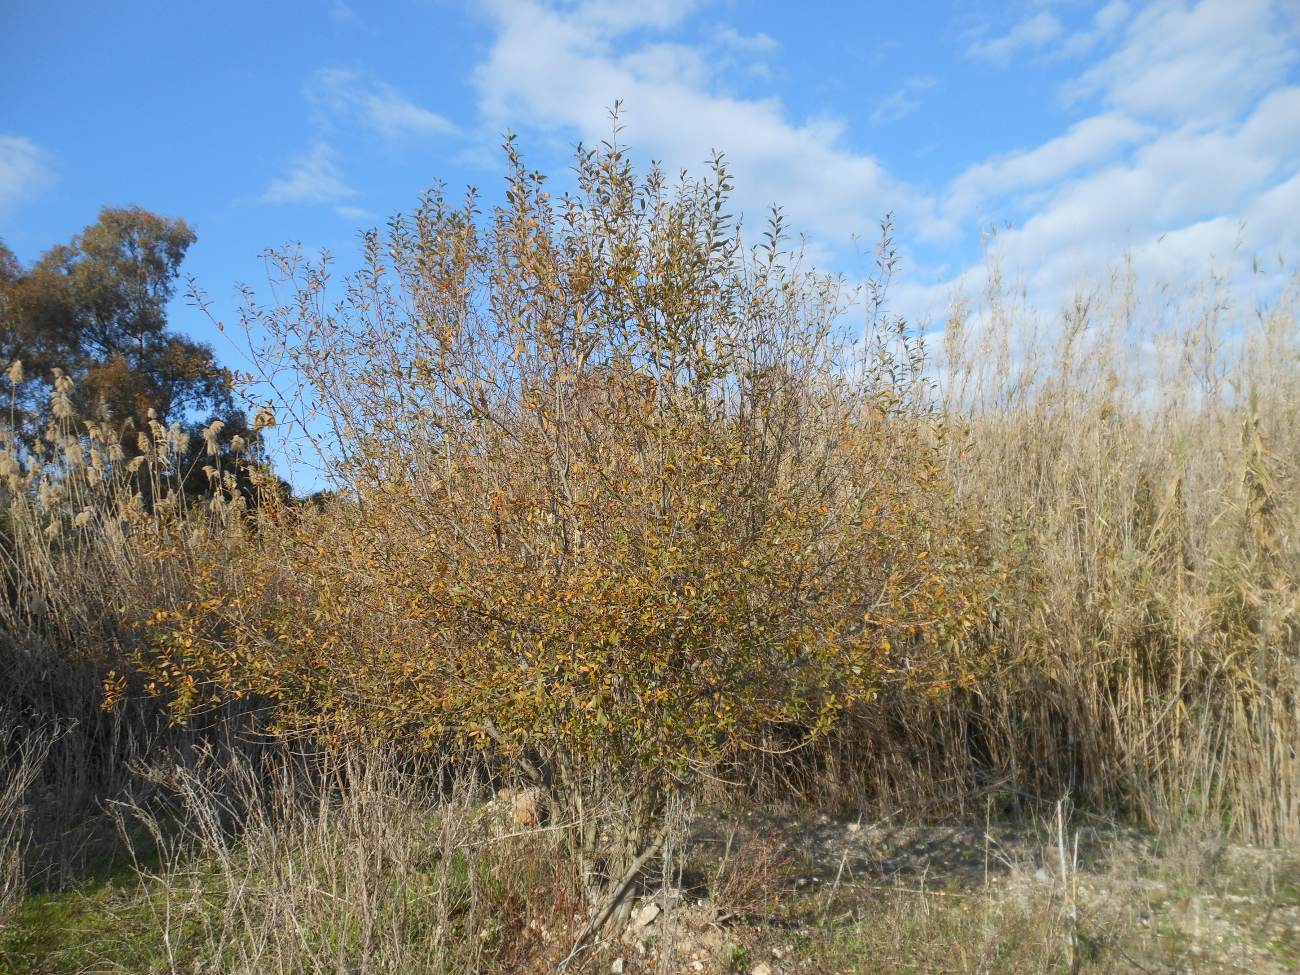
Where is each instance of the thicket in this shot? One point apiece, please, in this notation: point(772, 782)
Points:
point(639, 514)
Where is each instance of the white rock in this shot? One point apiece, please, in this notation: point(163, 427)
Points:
point(762, 968)
point(645, 917)
point(617, 967)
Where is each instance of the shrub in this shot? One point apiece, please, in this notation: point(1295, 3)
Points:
point(621, 501)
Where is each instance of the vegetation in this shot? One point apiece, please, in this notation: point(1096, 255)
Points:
point(631, 502)
point(636, 521)
point(95, 310)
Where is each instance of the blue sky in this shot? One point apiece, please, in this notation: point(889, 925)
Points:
point(1167, 130)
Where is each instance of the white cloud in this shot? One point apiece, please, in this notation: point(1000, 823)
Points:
point(1045, 37)
point(1185, 198)
point(1208, 60)
point(346, 96)
point(354, 213)
point(1032, 33)
point(1112, 15)
point(904, 101)
point(312, 178)
point(557, 68)
point(1174, 162)
point(1086, 143)
point(668, 64)
point(619, 16)
point(25, 171)
point(1105, 23)
point(758, 43)
point(1192, 161)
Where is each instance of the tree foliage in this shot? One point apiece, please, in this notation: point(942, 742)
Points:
point(94, 310)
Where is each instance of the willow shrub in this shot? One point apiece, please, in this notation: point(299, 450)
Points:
point(621, 501)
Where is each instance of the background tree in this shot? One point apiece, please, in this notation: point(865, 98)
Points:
point(96, 309)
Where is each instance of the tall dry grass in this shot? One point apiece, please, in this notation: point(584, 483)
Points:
point(1138, 477)
point(20, 767)
point(80, 528)
point(344, 862)
point(1133, 462)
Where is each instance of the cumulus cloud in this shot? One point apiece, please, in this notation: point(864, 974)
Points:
point(347, 100)
point(562, 67)
point(1180, 201)
point(25, 171)
point(1205, 60)
point(1191, 157)
point(620, 16)
point(1181, 142)
point(1042, 36)
point(1105, 23)
point(758, 43)
point(1086, 143)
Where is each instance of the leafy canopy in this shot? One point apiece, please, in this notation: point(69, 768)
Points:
point(94, 312)
point(96, 308)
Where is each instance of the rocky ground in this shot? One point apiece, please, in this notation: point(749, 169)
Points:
point(854, 896)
